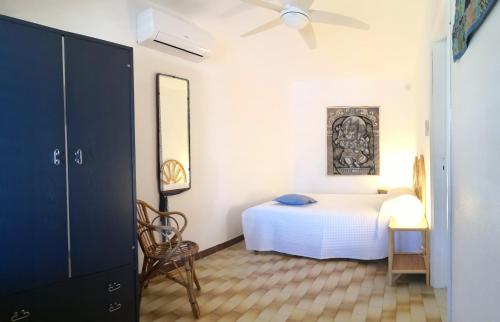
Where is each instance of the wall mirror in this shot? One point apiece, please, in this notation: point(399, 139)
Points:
point(174, 166)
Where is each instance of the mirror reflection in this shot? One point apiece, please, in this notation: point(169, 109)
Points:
point(173, 116)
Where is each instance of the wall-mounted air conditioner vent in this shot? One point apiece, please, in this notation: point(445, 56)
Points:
point(167, 32)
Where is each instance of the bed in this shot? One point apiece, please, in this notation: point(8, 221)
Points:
point(337, 226)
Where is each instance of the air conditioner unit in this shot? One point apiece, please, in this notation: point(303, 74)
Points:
point(168, 32)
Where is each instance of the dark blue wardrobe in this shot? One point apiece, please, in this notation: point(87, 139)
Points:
point(67, 220)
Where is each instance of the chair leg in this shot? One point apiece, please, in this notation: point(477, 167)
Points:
point(148, 272)
point(189, 287)
point(145, 263)
point(194, 275)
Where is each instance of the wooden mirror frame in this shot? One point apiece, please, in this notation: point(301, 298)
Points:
point(164, 194)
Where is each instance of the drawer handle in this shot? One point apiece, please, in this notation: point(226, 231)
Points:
point(21, 315)
point(56, 157)
point(114, 287)
point(79, 157)
point(114, 307)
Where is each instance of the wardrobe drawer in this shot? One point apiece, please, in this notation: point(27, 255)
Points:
point(120, 295)
point(56, 303)
point(119, 282)
point(106, 297)
point(49, 304)
point(20, 307)
point(120, 309)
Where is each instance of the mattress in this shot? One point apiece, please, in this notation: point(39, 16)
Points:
point(337, 226)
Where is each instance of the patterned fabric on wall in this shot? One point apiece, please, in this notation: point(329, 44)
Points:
point(353, 140)
point(469, 15)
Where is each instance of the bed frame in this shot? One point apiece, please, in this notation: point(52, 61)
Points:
point(419, 180)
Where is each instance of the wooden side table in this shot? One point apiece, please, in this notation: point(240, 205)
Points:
point(409, 263)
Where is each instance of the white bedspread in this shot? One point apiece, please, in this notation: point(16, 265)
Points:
point(337, 226)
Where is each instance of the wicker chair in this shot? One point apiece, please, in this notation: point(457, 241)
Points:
point(164, 250)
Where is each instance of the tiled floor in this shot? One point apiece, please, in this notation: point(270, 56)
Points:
point(243, 286)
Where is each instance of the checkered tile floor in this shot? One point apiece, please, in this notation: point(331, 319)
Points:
point(238, 285)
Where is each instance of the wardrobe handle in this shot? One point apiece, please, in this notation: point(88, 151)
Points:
point(56, 155)
point(114, 307)
point(114, 287)
point(21, 315)
point(79, 157)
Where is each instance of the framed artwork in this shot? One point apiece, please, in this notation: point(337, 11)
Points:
point(353, 140)
point(469, 15)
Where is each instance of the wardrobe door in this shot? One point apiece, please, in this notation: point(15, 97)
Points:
point(100, 141)
point(33, 238)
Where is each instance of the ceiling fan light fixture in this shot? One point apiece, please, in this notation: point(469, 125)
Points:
point(295, 18)
point(298, 15)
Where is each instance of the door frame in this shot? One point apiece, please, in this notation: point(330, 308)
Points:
point(449, 179)
point(439, 170)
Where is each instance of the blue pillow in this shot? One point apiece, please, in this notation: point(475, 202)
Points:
point(295, 200)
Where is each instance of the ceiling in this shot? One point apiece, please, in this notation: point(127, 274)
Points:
point(397, 28)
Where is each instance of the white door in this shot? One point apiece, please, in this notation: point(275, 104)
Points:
point(439, 146)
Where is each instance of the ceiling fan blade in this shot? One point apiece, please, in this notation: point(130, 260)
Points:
point(264, 4)
point(337, 19)
point(309, 36)
point(269, 25)
point(302, 4)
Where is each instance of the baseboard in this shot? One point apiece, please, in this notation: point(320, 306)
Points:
point(216, 248)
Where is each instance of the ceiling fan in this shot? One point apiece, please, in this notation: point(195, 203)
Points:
point(297, 14)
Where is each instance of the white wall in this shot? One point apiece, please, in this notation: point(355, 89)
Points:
point(375, 68)
point(397, 133)
point(435, 29)
point(475, 177)
point(245, 98)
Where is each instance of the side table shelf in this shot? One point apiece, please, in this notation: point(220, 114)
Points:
point(409, 263)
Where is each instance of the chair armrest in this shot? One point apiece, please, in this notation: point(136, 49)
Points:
point(173, 242)
point(167, 229)
point(164, 230)
point(172, 236)
point(178, 219)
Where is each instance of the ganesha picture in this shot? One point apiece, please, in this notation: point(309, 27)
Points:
point(353, 140)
